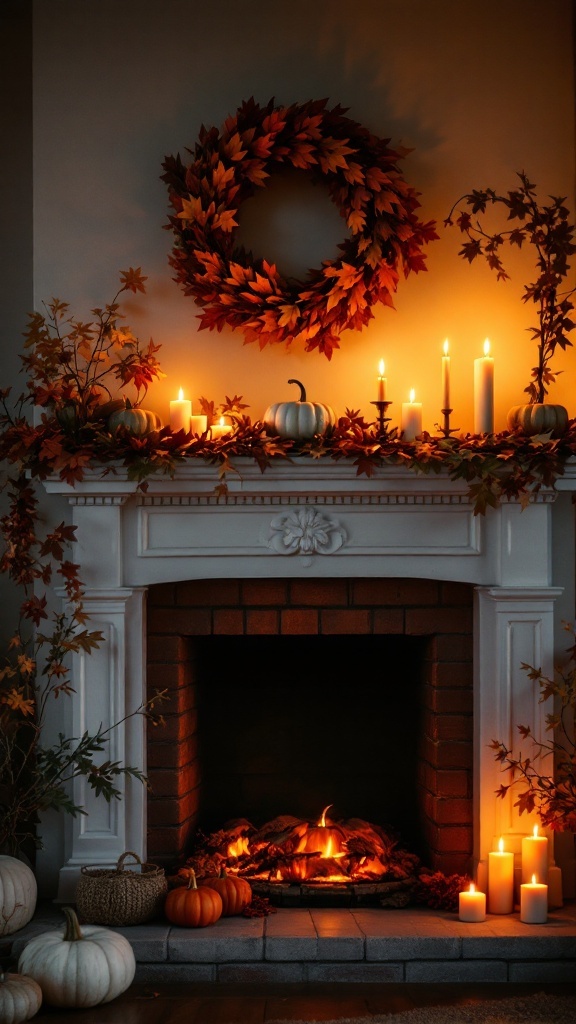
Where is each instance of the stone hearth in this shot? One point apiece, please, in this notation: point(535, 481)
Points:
point(348, 946)
point(306, 522)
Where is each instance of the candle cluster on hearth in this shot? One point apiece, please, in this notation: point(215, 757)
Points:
point(540, 888)
point(411, 414)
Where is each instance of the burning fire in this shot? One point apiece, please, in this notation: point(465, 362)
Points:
point(289, 849)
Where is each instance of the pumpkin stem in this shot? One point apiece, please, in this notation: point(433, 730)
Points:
point(192, 883)
point(302, 389)
point(72, 931)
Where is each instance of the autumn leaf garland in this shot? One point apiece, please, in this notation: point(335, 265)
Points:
point(230, 164)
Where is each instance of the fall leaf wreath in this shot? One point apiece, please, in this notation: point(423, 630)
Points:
point(230, 164)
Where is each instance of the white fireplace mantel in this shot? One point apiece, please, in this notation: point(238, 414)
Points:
point(308, 519)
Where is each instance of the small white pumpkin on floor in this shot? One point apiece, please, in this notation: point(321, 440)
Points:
point(18, 894)
point(79, 966)
point(20, 998)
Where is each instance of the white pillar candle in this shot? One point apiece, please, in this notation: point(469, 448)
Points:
point(472, 905)
point(381, 382)
point(535, 857)
point(198, 424)
point(220, 429)
point(500, 880)
point(484, 392)
point(446, 377)
point(533, 902)
point(180, 413)
point(411, 418)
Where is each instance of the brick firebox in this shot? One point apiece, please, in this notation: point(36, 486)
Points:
point(439, 611)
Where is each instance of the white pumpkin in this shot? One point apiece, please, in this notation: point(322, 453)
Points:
point(18, 894)
point(79, 966)
point(301, 420)
point(20, 998)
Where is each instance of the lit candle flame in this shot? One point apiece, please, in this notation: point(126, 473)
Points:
point(381, 368)
point(472, 887)
point(412, 396)
point(180, 394)
point(222, 423)
point(501, 845)
point(446, 347)
point(533, 879)
point(535, 831)
point(487, 347)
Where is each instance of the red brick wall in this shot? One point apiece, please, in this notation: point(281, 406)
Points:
point(442, 612)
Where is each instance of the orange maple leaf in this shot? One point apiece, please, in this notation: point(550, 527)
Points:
point(192, 210)
point(233, 148)
point(356, 221)
point(225, 220)
point(222, 176)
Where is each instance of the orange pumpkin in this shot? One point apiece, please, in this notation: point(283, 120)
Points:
point(235, 892)
point(324, 839)
point(191, 906)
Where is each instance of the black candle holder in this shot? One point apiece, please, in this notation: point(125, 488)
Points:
point(446, 430)
point(382, 417)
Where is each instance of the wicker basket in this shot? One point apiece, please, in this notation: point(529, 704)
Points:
point(121, 896)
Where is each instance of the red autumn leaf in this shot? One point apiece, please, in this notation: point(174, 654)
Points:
point(261, 285)
point(192, 210)
point(133, 279)
point(222, 176)
point(34, 609)
point(289, 315)
point(233, 148)
point(225, 220)
point(376, 178)
point(303, 155)
point(356, 220)
point(332, 154)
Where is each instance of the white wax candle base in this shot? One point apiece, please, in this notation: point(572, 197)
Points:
point(534, 903)
point(472, 906)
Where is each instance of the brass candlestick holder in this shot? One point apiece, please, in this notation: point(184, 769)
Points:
point(446, 429)
point(382, 417)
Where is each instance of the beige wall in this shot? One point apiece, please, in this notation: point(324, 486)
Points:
point(480, 90)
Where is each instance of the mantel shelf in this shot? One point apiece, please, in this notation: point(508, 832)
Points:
point(299, 475)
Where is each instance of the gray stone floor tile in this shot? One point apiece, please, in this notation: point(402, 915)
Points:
point(541, 946)
point(549, 972)
point(266, 973)
point(456, 971)
point(339, 937)
point(354, 972)
point(153, 974)
point(150, 945)
point(231, 938)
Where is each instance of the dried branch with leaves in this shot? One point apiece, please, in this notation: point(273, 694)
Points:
point(546, 777)
point(547, 227)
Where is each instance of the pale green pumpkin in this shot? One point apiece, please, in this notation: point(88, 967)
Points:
point(538, 418)
point(135, 420)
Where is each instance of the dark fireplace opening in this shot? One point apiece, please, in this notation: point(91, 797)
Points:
point(288, 695)
point(289, 725)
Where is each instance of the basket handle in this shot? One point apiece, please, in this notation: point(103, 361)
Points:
point(128, 853)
